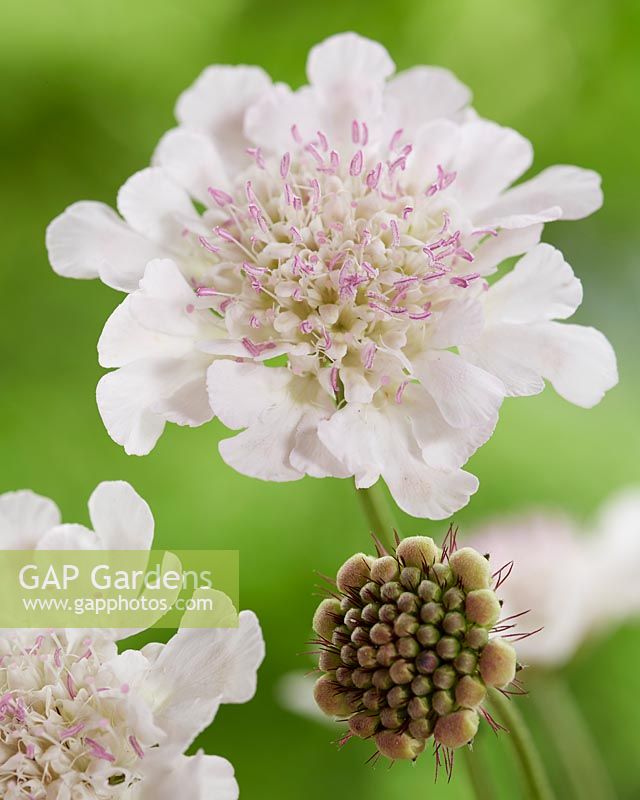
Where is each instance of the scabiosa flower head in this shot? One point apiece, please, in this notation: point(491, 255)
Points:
point(409, 646)
point(557, 563)
point(80, 721)
point(312, 266)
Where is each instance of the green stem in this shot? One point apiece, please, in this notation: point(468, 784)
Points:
point(378, 513)
point(572, 739)
point(532, 768)
point(479, 777)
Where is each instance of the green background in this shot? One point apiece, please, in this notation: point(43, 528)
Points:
point(87, 90)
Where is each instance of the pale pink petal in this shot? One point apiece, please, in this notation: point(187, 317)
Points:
point(25, 517)
point(132, 400)
point(207, 777)
point(348, 58)
point(120, 517)
point(190, 159)
point(541, 286)
point(201, 668)
point(422, 94)
point(216, 104)
point(270, 120)
point(89, 240)
point(465, 394)
point(578, 361)
point(574, 191)
point(156, 207)
point(495, 249)
point(487, 160)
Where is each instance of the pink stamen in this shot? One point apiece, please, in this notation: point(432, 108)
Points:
point(254, 349)
point(355, 167)
point(368, 355)
point(324, 143)
point(333, 377)
point(464, 280)
point(355, 132)
point(365, 134)
point(220, 197)
point(135, 744)
point(395, 233)
point(71, 687)
point(400, 391)
point(68, 733)
point(305, 327)
point(296, 134)
point(285, 163)
point(99, 751)
point(395, 139)
point(204, 242)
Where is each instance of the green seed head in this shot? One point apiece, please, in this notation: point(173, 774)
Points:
point(407, 653)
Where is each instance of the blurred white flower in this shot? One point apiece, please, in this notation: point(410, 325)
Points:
point(346, 229)
point(591, 574)
point(80, 720)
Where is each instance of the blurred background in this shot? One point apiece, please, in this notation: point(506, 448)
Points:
point(87, 90)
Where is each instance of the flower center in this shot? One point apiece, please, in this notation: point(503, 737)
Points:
point(335, 259)
point(62, 722)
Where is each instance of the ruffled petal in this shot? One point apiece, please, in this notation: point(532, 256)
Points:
point(192, 161)
point(156, 207)
point(578, 361)
point(507, 243)
point(216, 104)
point(120, 517)
point(200, 668)
point(487, 160)
point(575, 192)
point(207, 778)
point(465, 394)
point(542, 286)
point(25, 517)
point(422, 94)
point(89, 240)
point(133, 400)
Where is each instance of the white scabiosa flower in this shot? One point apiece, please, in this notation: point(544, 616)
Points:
point(311, 266)
point(80, 720)
point(557, 564)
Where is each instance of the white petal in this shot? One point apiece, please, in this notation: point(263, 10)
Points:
point(25, 517)
point(89, 240)
point(348, 58)
point(240, 393)
point(443, 446)
point(575, 191)
point(120, 517)
point(465, 394)
point(124, 340)
point(578, 361)
point(269, 121)
point(488, 159)
point(156, 207)
point(461, 321)
point(434, 143)
point(192, 161)
point(372, 442)
point(422, 94)
point(163, 299)
point(69, 537)
point(206, 778)
point(131, 399)
point(199, 669)
point(542, 286)
point(216, 105)
point(309, 455)
point(259, 397)
point(495, 249)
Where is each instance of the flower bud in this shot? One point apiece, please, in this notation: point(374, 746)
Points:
point(326, 618)
point(417, 551)
point(331, 697)
point(406, 650)
point(457, 729)
point(470, 692)
point(385, 569)
point(472, 568)
point(399, 746)
point(482, 607)
point(354, 573)
point(498, 663)
point(363, 725)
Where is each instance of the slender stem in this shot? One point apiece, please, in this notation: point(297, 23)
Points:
point(572, 739)
point(479, 777)
point(532, 767)
point(378, 513)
